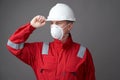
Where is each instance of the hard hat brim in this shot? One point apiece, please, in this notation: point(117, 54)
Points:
point(60, 19)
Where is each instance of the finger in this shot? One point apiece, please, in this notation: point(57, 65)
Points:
point(38, 18)
point(42, 19)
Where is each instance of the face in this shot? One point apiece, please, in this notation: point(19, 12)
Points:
point(65, 25)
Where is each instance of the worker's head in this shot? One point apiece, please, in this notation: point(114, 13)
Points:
point(61, 17)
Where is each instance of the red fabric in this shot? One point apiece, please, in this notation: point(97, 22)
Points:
point(61, 63)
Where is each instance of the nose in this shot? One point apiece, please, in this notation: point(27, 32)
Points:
point(53, 22)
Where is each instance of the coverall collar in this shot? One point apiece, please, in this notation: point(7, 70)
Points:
point(67, 44)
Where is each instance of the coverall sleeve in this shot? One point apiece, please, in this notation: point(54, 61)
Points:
point(17, 46)
point(90, 69)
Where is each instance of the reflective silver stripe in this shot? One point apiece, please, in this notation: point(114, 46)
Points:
point(14, 45)
point(81, 52)
point(45, 48)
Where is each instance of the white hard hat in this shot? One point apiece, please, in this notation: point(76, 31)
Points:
point(61, 12)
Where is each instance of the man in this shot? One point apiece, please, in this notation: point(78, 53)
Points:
point(61, 59)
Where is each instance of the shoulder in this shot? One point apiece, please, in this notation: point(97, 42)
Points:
point(33, 44)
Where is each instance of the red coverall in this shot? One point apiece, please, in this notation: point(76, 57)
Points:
point(55, 61)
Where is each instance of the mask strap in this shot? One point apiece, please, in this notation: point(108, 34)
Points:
point(66, 25)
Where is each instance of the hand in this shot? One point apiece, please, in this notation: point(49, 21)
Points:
point(38, 21)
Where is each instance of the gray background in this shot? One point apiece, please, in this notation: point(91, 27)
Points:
point(97, 27)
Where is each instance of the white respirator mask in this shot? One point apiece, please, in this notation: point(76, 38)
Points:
point(56, 32)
